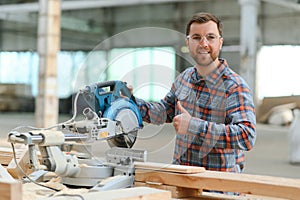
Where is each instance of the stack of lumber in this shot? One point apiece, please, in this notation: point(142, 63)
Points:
point(167, 177)
point(15, 97)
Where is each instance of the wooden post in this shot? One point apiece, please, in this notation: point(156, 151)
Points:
point(46, 106)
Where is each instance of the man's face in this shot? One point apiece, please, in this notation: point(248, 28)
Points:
point(204, 43)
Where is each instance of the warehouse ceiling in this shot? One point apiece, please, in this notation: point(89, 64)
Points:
point(86, 23)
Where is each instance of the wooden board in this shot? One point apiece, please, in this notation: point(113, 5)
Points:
point(224, 181)
point(176, 192)
point(168, 167)
point(124, 194)
point(10, 189)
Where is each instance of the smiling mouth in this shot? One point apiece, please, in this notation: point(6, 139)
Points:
point(203, 52)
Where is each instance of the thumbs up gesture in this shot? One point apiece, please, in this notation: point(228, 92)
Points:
point(181, 122)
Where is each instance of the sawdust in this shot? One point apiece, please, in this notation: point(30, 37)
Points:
point(32, 191)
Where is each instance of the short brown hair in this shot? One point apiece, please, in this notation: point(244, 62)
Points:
point(203, 18)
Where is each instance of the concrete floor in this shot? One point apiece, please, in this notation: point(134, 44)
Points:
point(269, 156)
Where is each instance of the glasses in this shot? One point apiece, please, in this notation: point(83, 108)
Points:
point(210, 38)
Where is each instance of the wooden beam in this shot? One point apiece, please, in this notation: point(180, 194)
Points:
point(177, 192)
point(10, 189)
point(168, 167)
point(228, 182)
point(124, 194)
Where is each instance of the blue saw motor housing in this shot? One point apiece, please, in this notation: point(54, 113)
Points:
point(110, 102)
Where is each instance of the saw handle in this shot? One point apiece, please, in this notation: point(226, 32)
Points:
point(116, 88)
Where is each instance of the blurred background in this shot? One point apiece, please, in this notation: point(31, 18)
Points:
point(51, 49)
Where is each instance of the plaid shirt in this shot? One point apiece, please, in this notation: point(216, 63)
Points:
point(223, 118)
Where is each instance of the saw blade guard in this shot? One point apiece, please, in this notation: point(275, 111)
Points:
point(128, 120)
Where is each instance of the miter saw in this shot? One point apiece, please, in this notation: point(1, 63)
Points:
point(115, 118)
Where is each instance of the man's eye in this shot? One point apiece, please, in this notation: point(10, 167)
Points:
point(196, 38)
point(211, 37)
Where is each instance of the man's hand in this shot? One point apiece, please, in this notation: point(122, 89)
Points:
point(181, 122)
point(130, 89)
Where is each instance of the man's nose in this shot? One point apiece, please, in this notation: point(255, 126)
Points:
point(203, 42)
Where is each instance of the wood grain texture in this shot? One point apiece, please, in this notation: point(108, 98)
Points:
point(10, 189)
point(137, 193)
point(168, 167)
point(177, 192)
point(224, 181)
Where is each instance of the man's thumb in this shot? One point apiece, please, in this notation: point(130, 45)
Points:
point(180, 108)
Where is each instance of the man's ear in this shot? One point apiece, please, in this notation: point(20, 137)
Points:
point(221, 43)
point(186, 42)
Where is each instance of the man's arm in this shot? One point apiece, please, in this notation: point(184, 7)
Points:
point(158, 112)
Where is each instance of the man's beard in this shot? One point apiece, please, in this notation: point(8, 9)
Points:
point(205, 59)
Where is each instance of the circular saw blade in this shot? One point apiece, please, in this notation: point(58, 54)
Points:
point(123, 140)
point(126, 133)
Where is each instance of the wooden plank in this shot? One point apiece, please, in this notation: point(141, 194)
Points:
point(217, 196)
point(124, 194)
point(168, 167)
point(197, 194)
point(229, 182)
point(176, 192)
point(10, 189)
point(132, 194)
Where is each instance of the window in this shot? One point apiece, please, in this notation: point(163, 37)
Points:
point(278, 71)
point(149, 70)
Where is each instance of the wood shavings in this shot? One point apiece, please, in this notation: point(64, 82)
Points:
point(32, 191)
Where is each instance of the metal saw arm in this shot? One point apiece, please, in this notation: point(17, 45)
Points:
point(48, 142)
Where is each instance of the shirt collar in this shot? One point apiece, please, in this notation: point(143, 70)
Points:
point(196, 78)
point(214, 76)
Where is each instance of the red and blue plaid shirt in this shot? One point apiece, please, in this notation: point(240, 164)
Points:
point(223, 118)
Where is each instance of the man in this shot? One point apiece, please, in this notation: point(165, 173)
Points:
point(211, 106)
